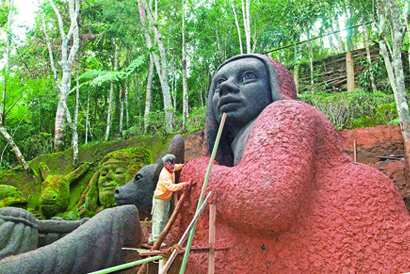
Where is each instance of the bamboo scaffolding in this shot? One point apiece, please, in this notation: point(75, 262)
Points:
point(208, 172)
point(167, 228)
point(128, 265)
point(187, 231)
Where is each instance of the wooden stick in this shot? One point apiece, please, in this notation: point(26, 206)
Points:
point(201, 197)
point(194, 249)
point(171, 221)
point(187, 231)
point(167, 228)
point(211, 254)
point(354, 151)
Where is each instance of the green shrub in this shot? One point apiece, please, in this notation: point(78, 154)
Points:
point(356, 109)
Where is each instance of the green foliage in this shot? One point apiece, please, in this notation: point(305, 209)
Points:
point(99, 77)
point(357, 109)
point(378, 69)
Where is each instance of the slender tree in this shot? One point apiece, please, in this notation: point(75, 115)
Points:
point(237, 26)
point(161, 63)
point(391, 25)
point(66, 62)
point(184, 73)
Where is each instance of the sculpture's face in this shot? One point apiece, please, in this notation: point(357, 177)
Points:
point(242, 91)
point(111, 177)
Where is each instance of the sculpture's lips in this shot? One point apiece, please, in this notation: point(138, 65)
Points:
point(226, 102)
point(109, 185)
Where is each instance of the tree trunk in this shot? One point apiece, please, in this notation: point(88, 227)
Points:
point(66, 63)
point(122, 111)
point(14, 147)
point(109, 112)
point(184, 80)
point(86, 117)
point(246, 23)
point(389, 10)
point(162, 69)
point(75, 132)
point(237, 26)
point(127, 94)
point(369, 58)
point(111, 100)
point(310, 58)
point(148, 95)
point(350, 71)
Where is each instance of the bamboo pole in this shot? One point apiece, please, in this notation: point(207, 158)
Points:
point(208, 172)
point(171, 221)
point(128, 265)
point(211, 254)
point(185, 236)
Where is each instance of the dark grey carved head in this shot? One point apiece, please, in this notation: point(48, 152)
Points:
point(243, 86)
point(140, 189)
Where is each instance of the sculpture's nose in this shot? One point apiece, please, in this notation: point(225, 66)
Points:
point(116, 193)
point(228, 86)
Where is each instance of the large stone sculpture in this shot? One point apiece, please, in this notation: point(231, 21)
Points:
point(140, 189)
point(94, 245)
point(288, 198)
point(116, 169)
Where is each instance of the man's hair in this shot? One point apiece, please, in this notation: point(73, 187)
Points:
point(168, 158)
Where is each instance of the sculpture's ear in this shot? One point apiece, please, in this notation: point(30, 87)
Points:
point(177, 147)
point(44, 171)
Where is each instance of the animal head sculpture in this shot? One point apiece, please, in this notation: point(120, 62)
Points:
point(55, 195)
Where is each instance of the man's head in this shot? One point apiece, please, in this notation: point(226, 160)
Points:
point(169, 162)
point(243, 86)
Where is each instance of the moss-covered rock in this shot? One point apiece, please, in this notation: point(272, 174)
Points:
point(11, 196)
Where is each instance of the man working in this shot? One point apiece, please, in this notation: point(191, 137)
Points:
point(163, 194)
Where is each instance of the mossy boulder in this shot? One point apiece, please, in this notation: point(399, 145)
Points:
point(11, 196)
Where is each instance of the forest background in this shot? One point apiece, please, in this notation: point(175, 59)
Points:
point(91, 71)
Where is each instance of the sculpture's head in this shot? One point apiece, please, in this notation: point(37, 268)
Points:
point(117, 168)
point(243, 86)
point(112, 175)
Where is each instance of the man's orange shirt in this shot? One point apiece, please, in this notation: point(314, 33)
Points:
point(166, 184)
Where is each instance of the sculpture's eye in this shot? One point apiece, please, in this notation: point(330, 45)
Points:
point(138, 177)
point(219, 82)
point(119, 171)
point(248, 76)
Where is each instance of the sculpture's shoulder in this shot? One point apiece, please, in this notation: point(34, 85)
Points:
point(294, 124)
point(291, 110)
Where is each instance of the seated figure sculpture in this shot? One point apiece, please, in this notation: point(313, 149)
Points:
point(288, 198)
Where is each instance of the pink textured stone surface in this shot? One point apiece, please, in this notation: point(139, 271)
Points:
point(298, 204)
